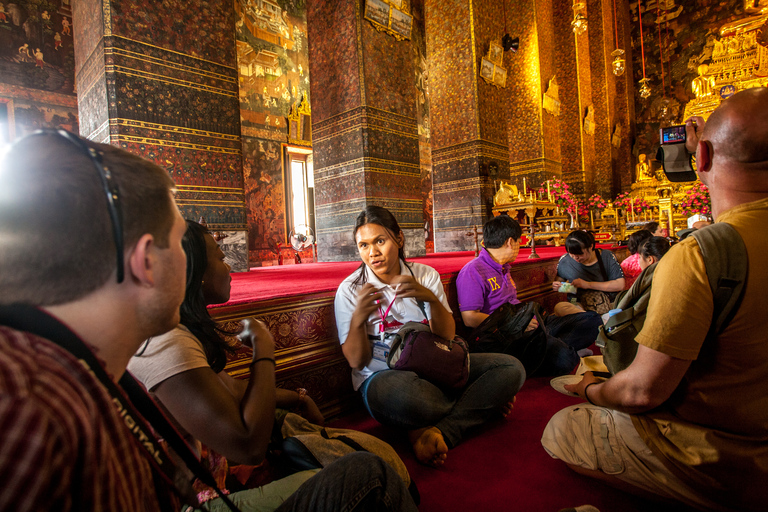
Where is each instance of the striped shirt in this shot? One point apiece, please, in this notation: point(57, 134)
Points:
point(63, 445)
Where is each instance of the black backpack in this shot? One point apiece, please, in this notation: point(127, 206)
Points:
point(725, 258)
point(503, 332)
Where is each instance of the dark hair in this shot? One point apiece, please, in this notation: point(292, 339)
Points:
point(56, 240)
point(651, 226)
point(499, 229)
point(373, 214)
point(194, 313)
point(656, 246)
point(578, 241)
point(636, 239)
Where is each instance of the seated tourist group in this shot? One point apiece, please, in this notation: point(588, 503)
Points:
point(113, 393)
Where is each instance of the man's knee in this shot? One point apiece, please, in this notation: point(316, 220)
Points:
point(505, 368)
point(585, 436)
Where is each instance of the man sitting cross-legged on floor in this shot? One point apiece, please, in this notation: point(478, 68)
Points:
point(688, 419)
point(485, 283)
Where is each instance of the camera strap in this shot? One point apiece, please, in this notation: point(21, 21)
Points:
point(676, 162)
point(130, 401)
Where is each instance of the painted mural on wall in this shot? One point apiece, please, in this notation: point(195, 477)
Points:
point(273, 66)
point(679, 36)
point(36, 49)
point(264, 198)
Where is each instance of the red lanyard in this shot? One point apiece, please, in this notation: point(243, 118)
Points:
point(384, 324)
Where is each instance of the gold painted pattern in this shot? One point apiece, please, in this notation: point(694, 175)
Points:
point(119, 121)
point(474, 64)
point(372, 112)
point(362, 170)
point(464, 184)
point(121, 52)
point(174, 144)
point(106, 10)
point(360, 60)
point(186, 55)
point(153, 77)
point(209, 202)
point(208, 189)
point(466, 150)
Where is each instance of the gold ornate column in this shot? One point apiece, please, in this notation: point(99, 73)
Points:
point(469, 91)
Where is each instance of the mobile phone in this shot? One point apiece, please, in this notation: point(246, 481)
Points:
point(672, 134)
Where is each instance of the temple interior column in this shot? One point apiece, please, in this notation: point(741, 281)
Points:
point(536, 118)
point(469, 129)
point(364, 128)
point(160, 80)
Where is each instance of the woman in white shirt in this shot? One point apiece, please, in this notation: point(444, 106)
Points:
point(371, 305)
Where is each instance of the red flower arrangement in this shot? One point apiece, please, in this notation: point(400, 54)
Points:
point(629, 204)
point(697, 200)
point(561, 195)
point(622, 201)
point(596, 202)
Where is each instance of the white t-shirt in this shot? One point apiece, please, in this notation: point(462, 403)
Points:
point(402, 311)
point(167, 355)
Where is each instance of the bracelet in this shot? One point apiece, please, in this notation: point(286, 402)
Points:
point(302, 396)
point(271, 359)
point(585, 392)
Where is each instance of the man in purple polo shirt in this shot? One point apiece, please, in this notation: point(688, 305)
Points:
point(485, 283)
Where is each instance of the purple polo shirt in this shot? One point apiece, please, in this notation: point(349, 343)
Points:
point(484, 285)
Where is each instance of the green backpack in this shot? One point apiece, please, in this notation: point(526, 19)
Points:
point(725, 258)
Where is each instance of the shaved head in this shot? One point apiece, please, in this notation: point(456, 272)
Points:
point(738, 128)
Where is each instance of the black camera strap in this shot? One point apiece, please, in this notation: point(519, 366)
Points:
point(130, 401)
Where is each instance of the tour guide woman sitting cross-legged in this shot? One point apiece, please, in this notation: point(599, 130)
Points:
point(371, 305)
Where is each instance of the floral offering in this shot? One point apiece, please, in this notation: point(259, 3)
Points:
point(696, 200)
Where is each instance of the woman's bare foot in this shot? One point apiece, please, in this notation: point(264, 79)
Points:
point(507, 408)
point(429, 446)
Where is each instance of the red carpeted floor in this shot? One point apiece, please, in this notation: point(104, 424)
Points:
point(503, 467)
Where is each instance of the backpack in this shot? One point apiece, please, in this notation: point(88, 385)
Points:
point(503, 332)
point(725, 258)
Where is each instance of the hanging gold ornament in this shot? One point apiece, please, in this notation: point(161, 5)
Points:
point(579, 23)
point(644, 90)
point(618, 62)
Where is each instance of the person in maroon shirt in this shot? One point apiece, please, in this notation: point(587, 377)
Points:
point(64, 445)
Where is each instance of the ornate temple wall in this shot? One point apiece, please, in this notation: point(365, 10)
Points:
point(37, 68)
point(160, 80)
point(169, 82)
point(689, 34)
point(365, 132)
point(273, 76)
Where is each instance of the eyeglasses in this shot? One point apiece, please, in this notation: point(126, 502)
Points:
point(110, 189)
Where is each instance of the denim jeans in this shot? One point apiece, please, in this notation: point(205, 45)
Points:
point(401, 399)
point(357, 482)
point(578, 330)
point(559, 360)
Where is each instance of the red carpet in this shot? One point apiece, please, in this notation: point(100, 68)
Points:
point(263, 283)
point(503, 467)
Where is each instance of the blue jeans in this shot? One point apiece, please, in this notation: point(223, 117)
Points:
point(401, 399)
point(357, 482)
